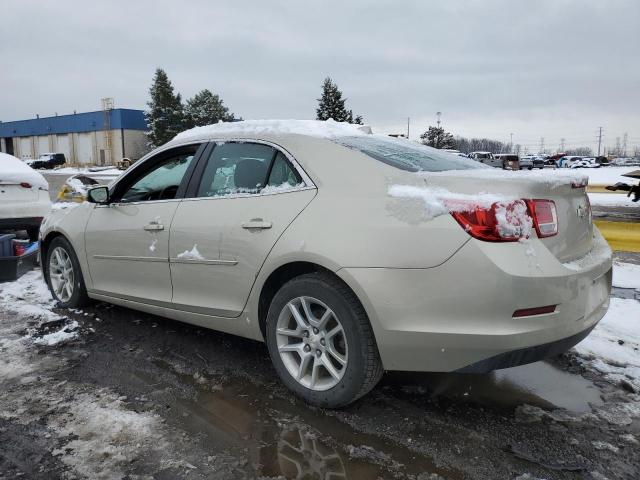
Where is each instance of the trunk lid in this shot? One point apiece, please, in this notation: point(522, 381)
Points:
point(14, 193)
point(575, 227)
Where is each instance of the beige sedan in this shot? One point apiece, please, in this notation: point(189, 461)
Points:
point(348, 253)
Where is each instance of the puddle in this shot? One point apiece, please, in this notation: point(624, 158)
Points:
point(285, 439)
point(539, 384)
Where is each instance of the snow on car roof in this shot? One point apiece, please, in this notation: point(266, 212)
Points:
point(14, 170)
point(313, 128)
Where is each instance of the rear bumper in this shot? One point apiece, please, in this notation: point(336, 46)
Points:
point(459, 316)
point(526, 355)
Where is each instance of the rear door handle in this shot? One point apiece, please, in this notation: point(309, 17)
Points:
point(153, 227)
point(256, 223)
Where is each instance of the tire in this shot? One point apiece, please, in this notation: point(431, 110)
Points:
point(33, 233)
point(58, 248)
point(356, 343)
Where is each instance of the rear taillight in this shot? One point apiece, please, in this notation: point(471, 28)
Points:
point(508, 222)
point(25, 185)
point(501, 222)
point(545, 217)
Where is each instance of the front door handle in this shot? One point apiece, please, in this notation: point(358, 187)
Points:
point(153, 227)
point(257, 224)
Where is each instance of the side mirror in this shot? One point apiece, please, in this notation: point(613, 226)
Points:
point(98, 195)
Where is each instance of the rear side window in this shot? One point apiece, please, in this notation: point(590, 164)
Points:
point(282, 174)
point(406, 155)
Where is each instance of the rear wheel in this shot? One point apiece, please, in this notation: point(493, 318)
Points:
point(63, 275)
point(321, 342)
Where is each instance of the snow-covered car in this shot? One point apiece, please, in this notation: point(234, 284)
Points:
point(75, 188)
point(585, 162)
point(47, 161)
point(349, 253)
point(24, 196)
point(567, 161)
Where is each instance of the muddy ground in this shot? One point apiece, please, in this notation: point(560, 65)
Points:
point(137, 396)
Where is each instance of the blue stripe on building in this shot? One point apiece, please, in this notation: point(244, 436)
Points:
point(119, 118)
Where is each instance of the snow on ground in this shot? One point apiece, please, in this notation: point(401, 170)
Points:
point(102, 435)
point(28, 296)
point(89, 171)
point(612, 200)
point(97, 434)
point(626, 275)
point(597, 176)
point(613, 347)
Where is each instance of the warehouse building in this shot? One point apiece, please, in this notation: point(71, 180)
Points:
point(92, 138)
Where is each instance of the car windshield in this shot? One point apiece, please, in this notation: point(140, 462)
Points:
point(406, 155)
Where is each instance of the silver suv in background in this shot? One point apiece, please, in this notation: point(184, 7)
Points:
point(508, 161)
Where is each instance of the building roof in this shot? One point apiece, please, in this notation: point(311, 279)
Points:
point(124, 118)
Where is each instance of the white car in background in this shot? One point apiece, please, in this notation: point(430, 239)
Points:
point(348, 253)
point(24, 196)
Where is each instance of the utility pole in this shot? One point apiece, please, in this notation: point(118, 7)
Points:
point(511, 142)
point(625, 137)
point(599, 139)
point(618, 146)
point(408, 120)
point(541, 144)
point(561, 145)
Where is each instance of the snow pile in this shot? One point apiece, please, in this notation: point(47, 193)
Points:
point(192, 254)
point(313, 128)
point(15, 171)
point(103, 435)
point(512, 215)
point(613, 348)
point(90, 171)
point(281, 188)
point(626, 275)
point(65, 333)
point(77, 186)
point(28, 296)
point(439, 201)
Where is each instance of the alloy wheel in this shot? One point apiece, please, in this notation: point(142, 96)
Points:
point(61, 274)
point(312, 343)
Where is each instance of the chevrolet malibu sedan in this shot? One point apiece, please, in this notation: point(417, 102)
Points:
point(348, 253)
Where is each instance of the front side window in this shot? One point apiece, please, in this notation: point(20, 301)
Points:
point(247, 168)
point(406, 155)
point(162, 181)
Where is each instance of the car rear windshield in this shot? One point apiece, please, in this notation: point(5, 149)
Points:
point(406, 155)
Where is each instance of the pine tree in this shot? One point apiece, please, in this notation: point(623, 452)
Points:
point(331, 105)
point(436, 137)
point(165, 116)
point(206, 108)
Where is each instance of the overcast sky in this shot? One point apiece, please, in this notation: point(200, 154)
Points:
point(549, 68)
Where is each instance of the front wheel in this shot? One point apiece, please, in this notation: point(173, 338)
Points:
point(63, 275)
point(321, 342)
